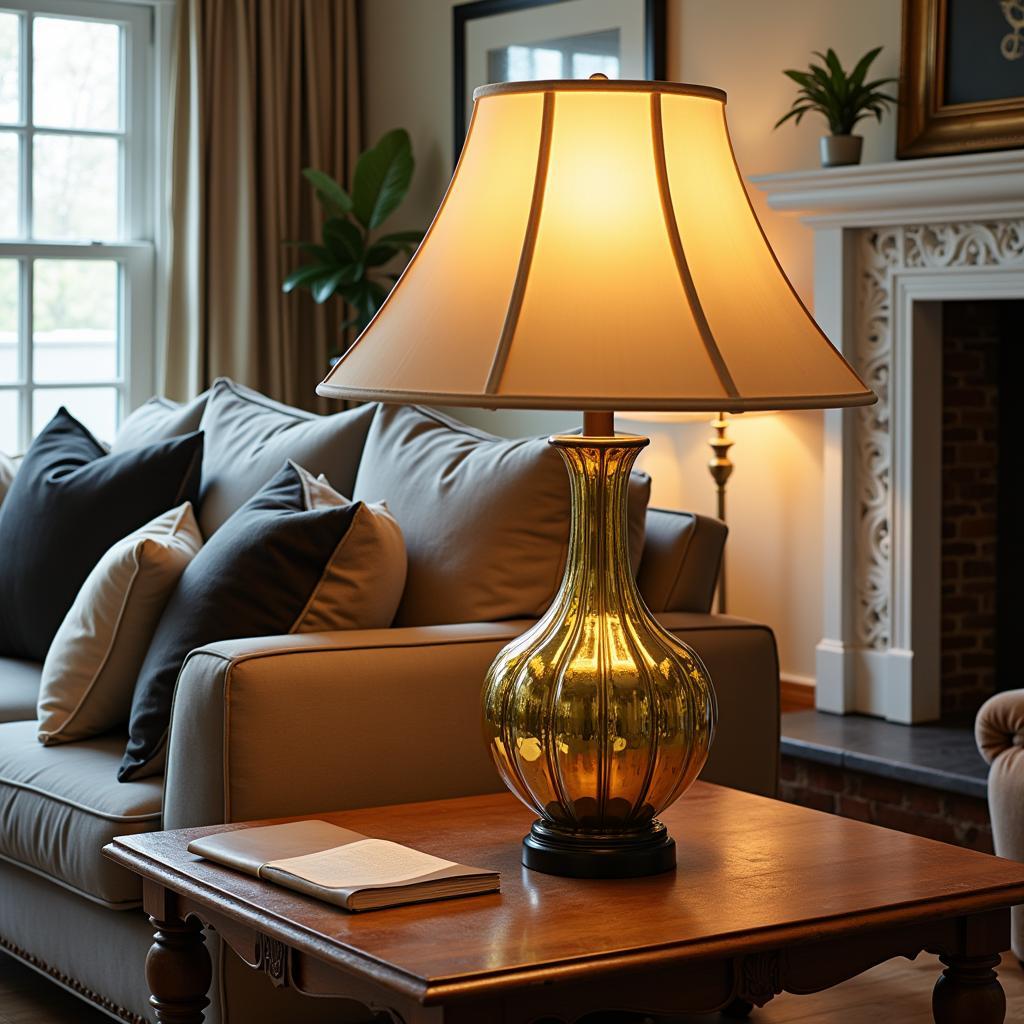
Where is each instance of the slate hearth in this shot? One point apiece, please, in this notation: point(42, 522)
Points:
point(929, 780)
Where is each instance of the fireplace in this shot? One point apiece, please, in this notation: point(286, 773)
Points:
point(903, 253)
point(980, 547)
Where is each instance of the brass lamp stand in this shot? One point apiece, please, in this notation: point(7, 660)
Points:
point(597, 717)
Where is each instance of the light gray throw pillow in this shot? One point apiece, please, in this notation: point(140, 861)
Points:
point(158, 420)
point(485, 519)
point(248, 437)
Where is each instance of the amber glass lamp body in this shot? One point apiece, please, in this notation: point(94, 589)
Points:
point(597, 717)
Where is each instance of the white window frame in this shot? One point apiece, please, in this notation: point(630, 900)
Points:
point(143, 69)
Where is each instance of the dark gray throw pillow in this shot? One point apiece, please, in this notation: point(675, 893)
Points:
point(69, 502)
point(254, 577)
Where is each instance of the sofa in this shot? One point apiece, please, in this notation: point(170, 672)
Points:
point(289, 725)
point(999, 731)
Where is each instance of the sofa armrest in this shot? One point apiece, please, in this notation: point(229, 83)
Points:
point(999, 731)
point(681, 560)
point(299, 724)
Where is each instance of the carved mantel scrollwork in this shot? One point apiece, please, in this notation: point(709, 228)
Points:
point(882, 254)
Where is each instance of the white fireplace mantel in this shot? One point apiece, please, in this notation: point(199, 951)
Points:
point(943, 188)
point(892, 242)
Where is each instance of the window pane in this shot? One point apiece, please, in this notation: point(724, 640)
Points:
point(9, 175)
point(9, 423)
point(9, 322)
point(75, 307)
point(75, 187)
point(76, 81)
point(95, 407)
point(10, 61)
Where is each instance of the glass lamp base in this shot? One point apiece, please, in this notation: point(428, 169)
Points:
point(599, 855)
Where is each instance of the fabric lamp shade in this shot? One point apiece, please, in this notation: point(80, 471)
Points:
point(596, 250)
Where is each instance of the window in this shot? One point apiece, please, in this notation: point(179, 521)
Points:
point(76, 213)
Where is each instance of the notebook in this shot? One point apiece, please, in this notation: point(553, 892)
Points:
point(343, 867)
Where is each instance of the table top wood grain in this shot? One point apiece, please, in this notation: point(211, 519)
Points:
point(753, 874)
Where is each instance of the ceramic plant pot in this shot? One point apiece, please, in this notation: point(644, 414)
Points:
point(839, 150)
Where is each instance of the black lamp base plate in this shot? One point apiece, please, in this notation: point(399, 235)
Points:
point(578, 855)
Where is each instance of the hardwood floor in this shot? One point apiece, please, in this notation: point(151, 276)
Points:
point(898, 992)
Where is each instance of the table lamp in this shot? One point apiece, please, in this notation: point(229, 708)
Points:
point(596, 250)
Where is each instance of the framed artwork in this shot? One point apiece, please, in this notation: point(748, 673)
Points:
point(526, 40)
point(961, 77)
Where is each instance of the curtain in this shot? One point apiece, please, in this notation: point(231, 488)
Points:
point(262, 89)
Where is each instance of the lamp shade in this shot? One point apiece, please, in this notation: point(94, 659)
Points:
point(596, 249)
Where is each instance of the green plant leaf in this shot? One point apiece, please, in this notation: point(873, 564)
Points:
point(382, 178)
point(380, 252)
point(334, 198)
point(344, 239)
point(302, 277)
point(323, 289)
point(861, 67)
point(797, 112)
point(408, 239)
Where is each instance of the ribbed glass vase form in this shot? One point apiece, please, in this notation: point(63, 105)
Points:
point(597, 717)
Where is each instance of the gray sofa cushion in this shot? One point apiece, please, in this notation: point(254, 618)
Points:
point(61, 805)
point(485, 519)
point(19, 689)
point(249, 437)
point(157, 420)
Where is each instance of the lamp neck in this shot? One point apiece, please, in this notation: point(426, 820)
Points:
point(598, 566)
point(599, 424)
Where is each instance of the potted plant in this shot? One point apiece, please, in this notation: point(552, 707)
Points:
point(843, 99)
point(350, 259)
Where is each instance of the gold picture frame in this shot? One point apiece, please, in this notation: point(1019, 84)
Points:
point(929, 124)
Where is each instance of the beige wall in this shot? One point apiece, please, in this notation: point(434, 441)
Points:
point(775, 499)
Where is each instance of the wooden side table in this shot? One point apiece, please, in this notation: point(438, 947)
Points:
point(767, 897)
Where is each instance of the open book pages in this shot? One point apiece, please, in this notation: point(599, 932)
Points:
point(341, 866)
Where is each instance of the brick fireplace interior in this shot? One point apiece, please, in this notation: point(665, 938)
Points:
point(981, 502)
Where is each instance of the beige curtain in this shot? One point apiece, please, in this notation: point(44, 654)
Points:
point(263, 88)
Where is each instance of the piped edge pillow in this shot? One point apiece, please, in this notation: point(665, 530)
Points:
point(91, 667)
point(284, 562)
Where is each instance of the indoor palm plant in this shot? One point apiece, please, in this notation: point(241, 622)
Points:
point(352, 260)
point(843, 99)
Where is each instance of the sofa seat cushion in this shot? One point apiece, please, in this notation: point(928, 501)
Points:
point(59, 806)
point(19, 689)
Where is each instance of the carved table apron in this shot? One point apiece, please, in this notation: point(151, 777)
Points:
point(540, 952)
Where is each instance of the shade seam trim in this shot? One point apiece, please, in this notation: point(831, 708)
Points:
point(679, 253)
point(515, 302)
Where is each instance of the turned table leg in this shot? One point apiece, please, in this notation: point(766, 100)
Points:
point(968, 992)
point(178, 971)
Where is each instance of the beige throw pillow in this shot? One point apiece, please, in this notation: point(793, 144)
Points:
point(363, 582)
point(91, 667)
